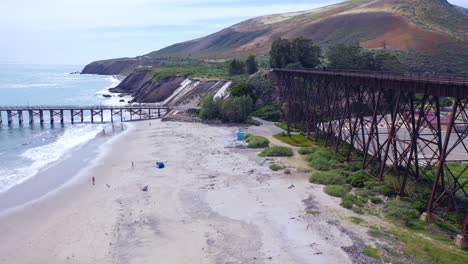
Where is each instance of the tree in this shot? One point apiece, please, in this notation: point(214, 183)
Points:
point(210, 107)
point(344, 57)
point(281, 53)
point(236, 67)
point(251, 64)
point(305, 52)
point(236, 108)
point(356, 58)
point(299, 53)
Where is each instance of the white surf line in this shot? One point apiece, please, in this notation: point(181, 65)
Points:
point(223, 91)
point(177, 91)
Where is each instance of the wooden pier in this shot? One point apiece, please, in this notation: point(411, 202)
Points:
point(77, 113)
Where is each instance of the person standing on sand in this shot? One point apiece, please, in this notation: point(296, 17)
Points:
point(93, 180)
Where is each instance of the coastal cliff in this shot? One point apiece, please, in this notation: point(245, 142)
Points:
point(171, 90)
point(122, 66)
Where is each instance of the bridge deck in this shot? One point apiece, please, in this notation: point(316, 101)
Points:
point(437, 85)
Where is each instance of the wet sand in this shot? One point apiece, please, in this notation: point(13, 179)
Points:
point(210, 204)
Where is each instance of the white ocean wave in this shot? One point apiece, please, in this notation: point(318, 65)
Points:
point(42, 156)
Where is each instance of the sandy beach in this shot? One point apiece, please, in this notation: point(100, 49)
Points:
point(210, 204)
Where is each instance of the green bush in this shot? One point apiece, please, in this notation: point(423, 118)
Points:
point(276, 167)
point(297, 140)
point(236, 109)
point(376, 200)
point(307, 150)
point(346, 204)
point(269, 113)
point(232, 109)
point(337, 190)
point(370, 184)
point(277, 151)
point(354, 166)
point(332, 177)
point(357, 179)
point(287, 171)
point(323, 164)
point(401, 211)
point(210, 108)
point(361, 193)
point(371, 252)
point(256, 141)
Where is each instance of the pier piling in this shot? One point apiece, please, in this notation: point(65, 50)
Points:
point(9, 117)
point(31, 116)
point(20, 116)
point(41, 116)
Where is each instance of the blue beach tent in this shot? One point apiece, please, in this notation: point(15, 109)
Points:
point(159, 164)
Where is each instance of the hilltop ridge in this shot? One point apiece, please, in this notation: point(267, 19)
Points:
point(424, 30)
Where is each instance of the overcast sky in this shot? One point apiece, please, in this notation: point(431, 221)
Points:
point(80, 31)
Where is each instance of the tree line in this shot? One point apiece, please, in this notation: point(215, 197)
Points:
point(238, 67)
point(303, 53)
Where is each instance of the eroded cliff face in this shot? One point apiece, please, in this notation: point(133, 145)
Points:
point(172, 90)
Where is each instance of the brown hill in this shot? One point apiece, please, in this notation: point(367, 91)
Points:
point(430, 35)
point(422, 25)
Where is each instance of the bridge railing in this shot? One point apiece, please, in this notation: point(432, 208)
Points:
point(414, 76)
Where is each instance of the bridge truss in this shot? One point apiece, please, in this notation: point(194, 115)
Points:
point(395, 123)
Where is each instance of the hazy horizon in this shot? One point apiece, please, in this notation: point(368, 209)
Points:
point(76, 32)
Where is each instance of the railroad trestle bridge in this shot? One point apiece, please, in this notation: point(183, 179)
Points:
point(395, 123)
point(77, 113)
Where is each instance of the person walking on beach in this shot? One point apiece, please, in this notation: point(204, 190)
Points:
point(93, 180)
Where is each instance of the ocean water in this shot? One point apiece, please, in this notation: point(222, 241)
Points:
point(26, 149)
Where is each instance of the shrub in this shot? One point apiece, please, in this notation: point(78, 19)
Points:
point(357, 179)
point(401, 211)
point(287, 171)
point(210, 107)
point(370, 184)
point(256, 141)
point(348, 200)
point(236, 109)
point(240, 90)
point(277, 151)
point(328, 177)
point(361, 193)
point(306, 150)
point(346, 204)
point(376, 200)
point(297, 140)
point(337, 190)
point(323, 164)
point(276, 167)
point(354, 166)
point(371, 252)
point(269, 113)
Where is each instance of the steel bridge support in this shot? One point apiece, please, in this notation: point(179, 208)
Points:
point(395, 123)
